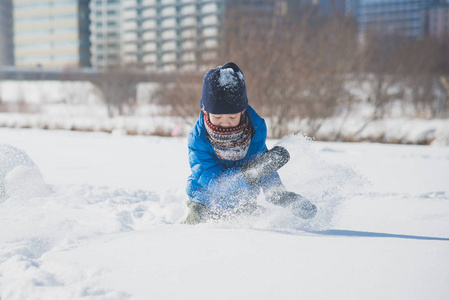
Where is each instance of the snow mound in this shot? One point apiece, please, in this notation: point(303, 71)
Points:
point(63, 221)
point(124, 239)
point(19, 176)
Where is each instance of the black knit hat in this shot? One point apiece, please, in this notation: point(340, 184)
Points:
point(224, 90)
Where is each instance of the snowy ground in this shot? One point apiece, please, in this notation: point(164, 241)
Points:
point(107, 224)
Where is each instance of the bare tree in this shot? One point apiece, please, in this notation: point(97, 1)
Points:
point(182, 95)
point(118, 87)
point(382, 62)
point(295, 67)
point(444, 103)
point(422, 61)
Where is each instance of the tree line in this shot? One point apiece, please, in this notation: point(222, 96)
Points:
point(300, 66)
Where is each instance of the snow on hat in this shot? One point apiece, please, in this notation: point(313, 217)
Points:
point(224, 90)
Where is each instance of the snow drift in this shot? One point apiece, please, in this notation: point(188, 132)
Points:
point(111, 226)
point(19, 176)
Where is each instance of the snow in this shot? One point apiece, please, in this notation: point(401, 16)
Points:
point(110, 225)
point(228, 79)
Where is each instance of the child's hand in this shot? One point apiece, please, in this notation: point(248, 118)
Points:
point(296, 203)
point(267, 163)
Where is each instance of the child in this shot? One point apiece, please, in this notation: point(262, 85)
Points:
point(228, 157)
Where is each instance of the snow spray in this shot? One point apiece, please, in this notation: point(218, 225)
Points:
point(325, 184)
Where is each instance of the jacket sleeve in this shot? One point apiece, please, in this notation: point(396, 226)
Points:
point(208, 171)
point(271, 182)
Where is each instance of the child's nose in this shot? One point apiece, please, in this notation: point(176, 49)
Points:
point(226, 122)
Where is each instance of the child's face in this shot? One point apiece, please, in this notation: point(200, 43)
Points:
point(225, 121)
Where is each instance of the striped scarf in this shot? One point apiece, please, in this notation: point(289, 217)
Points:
point(230, 143)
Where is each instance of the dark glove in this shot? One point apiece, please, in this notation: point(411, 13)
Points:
point(267, 163)
point(303, 209)
point(296, 203)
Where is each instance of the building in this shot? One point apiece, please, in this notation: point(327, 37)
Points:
point(390, 16)
point(179, 34)
point(6, 37)
point(402, 17)
point(170, 34)
point(106, 33)
point(437, 20)
point(51, 33)
point(326, 8)
point(332, 7)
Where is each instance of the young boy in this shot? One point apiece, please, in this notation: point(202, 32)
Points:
point(228, 156)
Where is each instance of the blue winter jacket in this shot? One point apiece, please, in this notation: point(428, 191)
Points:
point(219, 183)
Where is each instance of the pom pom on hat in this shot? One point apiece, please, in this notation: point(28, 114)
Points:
point(224, 90)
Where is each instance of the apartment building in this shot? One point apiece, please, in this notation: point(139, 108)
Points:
point(403, 17)
point(170, 34)
point(51, 33)
point(106, 33)
point(437, 17)
point(6, 37)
